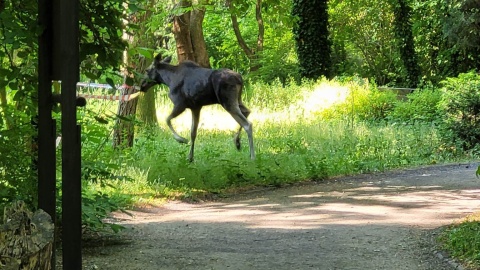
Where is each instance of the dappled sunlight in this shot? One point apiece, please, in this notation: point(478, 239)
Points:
point(411, 206)
point(322, 97)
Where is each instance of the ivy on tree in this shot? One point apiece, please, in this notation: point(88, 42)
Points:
point(312, 38)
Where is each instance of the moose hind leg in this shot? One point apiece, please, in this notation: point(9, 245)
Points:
point(246, 112)
point(238, 115)
point(177, 110)
point(193, 131)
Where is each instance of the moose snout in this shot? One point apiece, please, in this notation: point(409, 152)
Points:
point(146, 84)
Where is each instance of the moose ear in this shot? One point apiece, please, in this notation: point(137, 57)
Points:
point(167, 59)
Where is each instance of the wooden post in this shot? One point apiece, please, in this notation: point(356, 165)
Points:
point(71, 152)
point(59, 60)
point(46, 161)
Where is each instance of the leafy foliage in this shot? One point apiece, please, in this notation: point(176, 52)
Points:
point(460, 106)
point(101, 47)
point(364, 41)
point(421, 105)
point(312, 38)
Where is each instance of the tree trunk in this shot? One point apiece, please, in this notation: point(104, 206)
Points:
point(124, 129)
point(405, 41)
point(236, 30)
point(181, 32)
point(3, 105)
point(312, 38)
point(146, 111)
point(197, 38)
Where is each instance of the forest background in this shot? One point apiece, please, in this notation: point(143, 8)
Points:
point(314, 74)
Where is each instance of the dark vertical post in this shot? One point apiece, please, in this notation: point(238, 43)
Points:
point(46, 162)
point(71, 153)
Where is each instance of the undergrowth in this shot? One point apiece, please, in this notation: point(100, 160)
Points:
point(462, 240)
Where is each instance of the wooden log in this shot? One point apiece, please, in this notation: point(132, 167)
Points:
point(26, 239)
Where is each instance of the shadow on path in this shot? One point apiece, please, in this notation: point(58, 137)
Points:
point(359, 222)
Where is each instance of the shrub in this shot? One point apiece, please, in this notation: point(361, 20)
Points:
point(364, 102)
point(460, 107)
point(421, 105)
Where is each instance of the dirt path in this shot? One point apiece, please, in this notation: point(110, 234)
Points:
point(382, 221)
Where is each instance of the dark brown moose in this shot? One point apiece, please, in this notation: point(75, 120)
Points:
point(193, 87)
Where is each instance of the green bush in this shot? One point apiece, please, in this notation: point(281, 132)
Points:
point(460, 107)
point(364, 102)
point(420, 105)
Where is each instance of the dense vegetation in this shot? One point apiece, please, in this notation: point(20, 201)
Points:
point(300, 133)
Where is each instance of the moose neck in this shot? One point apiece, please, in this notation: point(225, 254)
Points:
point(167, 72)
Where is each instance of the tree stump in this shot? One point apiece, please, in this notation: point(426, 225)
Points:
point(26, 239)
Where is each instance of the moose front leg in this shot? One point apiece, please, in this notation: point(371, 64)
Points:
point(245, 124)
point(246, 112)
point(193, 131)
point(177, 110)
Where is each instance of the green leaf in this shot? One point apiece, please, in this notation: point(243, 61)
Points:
point(146, 52)
point(111, 83)
point(129, 81)
point(22, 54)
point(101, 120)
point(477, 173)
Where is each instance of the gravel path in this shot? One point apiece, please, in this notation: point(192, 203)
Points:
point(381, 221)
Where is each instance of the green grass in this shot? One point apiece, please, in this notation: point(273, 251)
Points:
point(462, 240)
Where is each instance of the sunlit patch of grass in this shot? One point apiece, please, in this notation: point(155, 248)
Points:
point(311, 101)
point(462, 240)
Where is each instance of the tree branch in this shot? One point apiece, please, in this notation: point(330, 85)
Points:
point(261, 26)
point(236, 29)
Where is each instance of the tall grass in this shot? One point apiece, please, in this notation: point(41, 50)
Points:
point(308, 132)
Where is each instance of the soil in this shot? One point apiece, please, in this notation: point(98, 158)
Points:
point(376, 221)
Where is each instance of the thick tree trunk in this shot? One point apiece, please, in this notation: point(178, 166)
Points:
point(405, 41)
point(197, 38)
point(312, 38)
point(146, 111)
point(124, 129)
point(181, 32)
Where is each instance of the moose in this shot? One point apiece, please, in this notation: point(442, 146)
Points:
point(192, 86)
